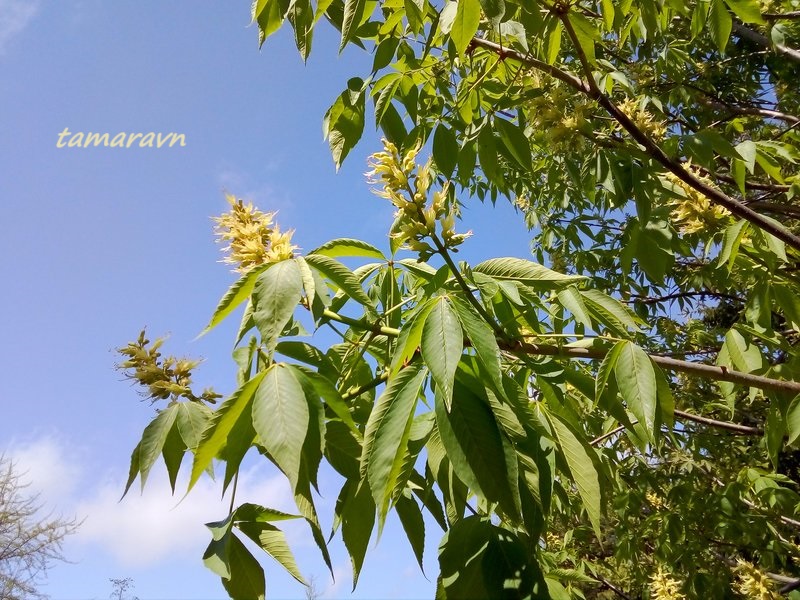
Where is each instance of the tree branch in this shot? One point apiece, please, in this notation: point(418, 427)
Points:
point(671, 364)
point(590, 89)
point(763, 41)
point(733, 427)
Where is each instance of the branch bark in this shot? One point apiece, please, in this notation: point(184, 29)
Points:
point(763, 41)
point(676, 167)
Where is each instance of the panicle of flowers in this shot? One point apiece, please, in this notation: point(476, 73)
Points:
point(252, 237)
point(655, 500)
point(162, 378)
point(642, 118)
point(406, 185)
point(753, 583)
point(694, 212)
point(664, 587)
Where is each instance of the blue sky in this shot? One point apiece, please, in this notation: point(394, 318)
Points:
point(99, 242)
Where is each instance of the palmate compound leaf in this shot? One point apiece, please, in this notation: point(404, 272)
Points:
point(281, 419)
point(442, 345)
point(386, 435)
point(478, 560)
point(275, 297)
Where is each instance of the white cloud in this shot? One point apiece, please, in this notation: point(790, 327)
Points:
point(48, 467)
point(143, 529)
point(15, 16)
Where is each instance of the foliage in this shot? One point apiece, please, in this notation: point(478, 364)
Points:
point(29, 542)
point(623, 422)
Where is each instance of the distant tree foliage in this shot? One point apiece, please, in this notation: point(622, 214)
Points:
point(617, 417)
point(29, 541)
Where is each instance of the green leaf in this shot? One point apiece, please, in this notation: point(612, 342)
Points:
point(636, 380)
point(474, 445)
point(353, 13)
point(247, 577)
point(554, 42)
point(526, 271)
point(275, 298)
point(748, 150)
point(413, 524)
point(411, 336)
point(571, 299)
point(273, 541)
point(221, 424)
point(515, 141)
point(494, 11)
point(731, 240)
point(581, 467)
point(442, 345)
point(744, 357)
point(479, 560)
point(386, 435)
point(348, 247)
point(281, 419)
point(358, 520)
point(586, 33)
point(301, 16)
point(720, 24)
point(342, 278)
point(788, 300)
point(609, 312)
point(481, 338)
point(749, 11)
point(269, 14)
point(153, 439)
point(445, 150)
point(192, 419)
point(465, 24)
point(793, 420)
point(235, 295)
point(344, 120)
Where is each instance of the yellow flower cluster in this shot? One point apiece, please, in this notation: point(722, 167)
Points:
point(251, 236)
point(694, 212)
point(752, 583)
point(406, 185)
point(664, 587)
point(643, 119)
point(162, 379)
point(656, 500)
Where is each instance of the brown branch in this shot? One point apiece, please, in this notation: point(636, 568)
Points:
point(778, 209)
point(605, 436)
point(733, 427)
point(750, 110)
point(657, 299)
point(612, 587)
point(793, 14)
point(763, 41)
point(671, 364)
point(591, 90)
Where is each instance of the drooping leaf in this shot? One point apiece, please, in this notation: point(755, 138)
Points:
point(386, 435)
point(636, 380)
point(281, 418)
point(582, 469)
point(442, 344)
point(358, 520)
point(465, 24)
point(342, 278)
point(474, 445)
